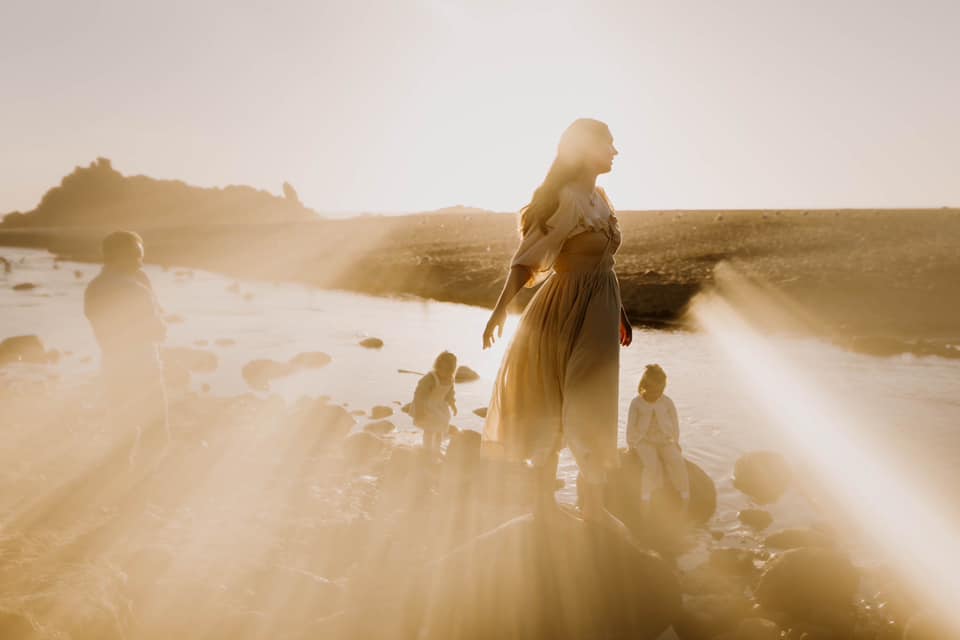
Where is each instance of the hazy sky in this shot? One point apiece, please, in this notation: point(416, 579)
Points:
point(418, 104)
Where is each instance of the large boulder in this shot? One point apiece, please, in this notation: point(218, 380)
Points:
point(556, 578)
point(762, 475)
point(807, 582)
point(623, 496)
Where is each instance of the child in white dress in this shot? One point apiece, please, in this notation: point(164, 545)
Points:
point(434, 401)
point(653, 434)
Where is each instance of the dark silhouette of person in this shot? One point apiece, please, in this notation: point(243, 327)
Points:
point(125, 317)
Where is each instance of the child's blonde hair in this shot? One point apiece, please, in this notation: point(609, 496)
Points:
point(652, 373)
point(445, 357)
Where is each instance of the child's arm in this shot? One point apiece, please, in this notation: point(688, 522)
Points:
point(634, 436)
point(452, 400)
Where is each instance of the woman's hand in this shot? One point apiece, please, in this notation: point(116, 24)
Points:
point(495, 324)
point(626, 331)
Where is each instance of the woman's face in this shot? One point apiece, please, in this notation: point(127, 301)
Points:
point(599, 155)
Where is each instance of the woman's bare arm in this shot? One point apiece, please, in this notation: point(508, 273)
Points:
point(519, 275)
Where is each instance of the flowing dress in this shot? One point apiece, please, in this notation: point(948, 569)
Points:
point(558, 381)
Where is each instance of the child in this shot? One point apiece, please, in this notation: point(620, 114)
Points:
point(653, 433)
point(434, 400)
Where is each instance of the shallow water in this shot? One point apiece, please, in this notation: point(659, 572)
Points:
point(908, 405)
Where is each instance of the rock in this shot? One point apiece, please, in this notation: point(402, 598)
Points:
point(27, 349)
point(563, 580)
point(481, 411)
point(733, 561)
point(797, 538)
point(224, 342)
point(174, 318)
point(758, 629)
point(762, 475)
point(705, 616)
point(311, 359)
point(24, 286)
point(380, 427)
point(623, 495)
point(358, 412)
point(329, 422)
point(465, 374)
point(756, 518)
point(362, 448)
point(380, 411)
point(259, 373)
point(371, 343)
point(407, 408)
point(805, 582)
point(193, 360)
point(78, 274)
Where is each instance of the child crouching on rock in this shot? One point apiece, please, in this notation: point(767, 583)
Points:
point(434, 401)
point(653, 434)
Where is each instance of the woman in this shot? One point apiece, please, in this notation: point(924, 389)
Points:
point(558, 382)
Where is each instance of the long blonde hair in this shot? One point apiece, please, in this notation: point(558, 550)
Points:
point(567, 166)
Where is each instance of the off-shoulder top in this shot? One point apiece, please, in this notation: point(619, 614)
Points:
point(577, 212)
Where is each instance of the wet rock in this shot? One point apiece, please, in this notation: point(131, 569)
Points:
point(371, 343)
point(756, 518)
point(797, 538)
point(311, 359)
point(706, 616)
point(481, 411)
point(27, 349)
point(380, 427)
point(733, 561)
point(762, 475)
point(562, 580)
point(757, 629)
point(193, 360)
point(805, 582)
point(362, 448)
point(25, 286)
point(624, 491)
point(329, 422)
point(259, 373)
point(465, 374)
point(380, 411)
